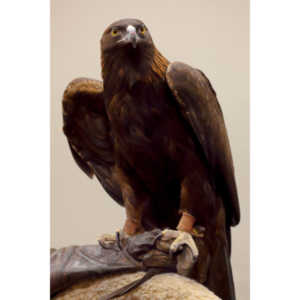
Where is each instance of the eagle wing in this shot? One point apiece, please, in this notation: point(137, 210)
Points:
point(199, 105)
point(86, 127)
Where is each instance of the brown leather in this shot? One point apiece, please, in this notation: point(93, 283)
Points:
point(140, 252)
point(72, 264)
point(145, 252)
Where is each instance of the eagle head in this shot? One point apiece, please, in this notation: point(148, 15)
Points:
point(129, 55)
point(129, 34)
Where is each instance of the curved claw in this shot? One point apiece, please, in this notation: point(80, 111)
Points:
point(185, 245)
point(181, 239)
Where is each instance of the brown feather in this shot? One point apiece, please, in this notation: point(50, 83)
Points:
point(154, 134)
point(87, 129)
point(200, 107)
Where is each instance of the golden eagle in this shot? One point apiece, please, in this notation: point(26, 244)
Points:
point(153, 133)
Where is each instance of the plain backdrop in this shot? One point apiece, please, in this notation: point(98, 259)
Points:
point(212, 35)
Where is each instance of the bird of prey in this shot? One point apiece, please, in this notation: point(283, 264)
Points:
point(153, 133)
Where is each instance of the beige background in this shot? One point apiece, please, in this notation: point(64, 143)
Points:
point(212, 35)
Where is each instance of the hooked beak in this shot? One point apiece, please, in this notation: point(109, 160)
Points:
point(133, 39)
point(130, 36)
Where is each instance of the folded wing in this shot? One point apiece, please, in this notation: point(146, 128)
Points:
point(199, 106)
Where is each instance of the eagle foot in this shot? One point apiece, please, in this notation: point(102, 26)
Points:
point(184, 248)
point(108, 240)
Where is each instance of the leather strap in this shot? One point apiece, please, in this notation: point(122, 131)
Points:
point(127, 288)
point(150, 273)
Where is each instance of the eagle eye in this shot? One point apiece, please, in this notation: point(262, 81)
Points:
point(143, 30)
point(114, 32)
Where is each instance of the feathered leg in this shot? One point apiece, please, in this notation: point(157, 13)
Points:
point(135, 202)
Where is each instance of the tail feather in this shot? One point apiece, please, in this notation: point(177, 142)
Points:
point(220, 278)
point(228, 235)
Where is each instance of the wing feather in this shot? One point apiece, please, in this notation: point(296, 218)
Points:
point(199, 105)
point(87, 129)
